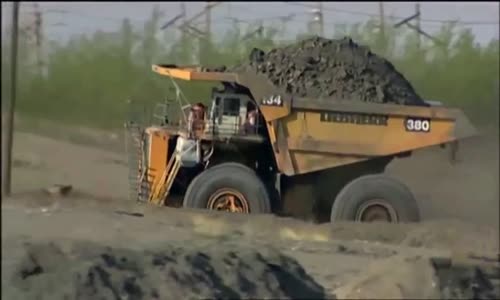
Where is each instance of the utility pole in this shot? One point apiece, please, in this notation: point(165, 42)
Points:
point(38, 37)
point(183, 30)
point(382, 20)
point(417, 20)
point(382, 40)
point(316, 24)
point(320, 19)
point(417, 28)
point(7, 151)
point(228, 5)
point(183, 18)
point(206, 40)
point(186, 23)
point(208, 20)
point(183, 11)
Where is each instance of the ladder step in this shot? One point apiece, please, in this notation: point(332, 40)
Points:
point(170, 179)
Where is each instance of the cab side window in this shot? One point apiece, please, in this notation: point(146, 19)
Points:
point(231, 107)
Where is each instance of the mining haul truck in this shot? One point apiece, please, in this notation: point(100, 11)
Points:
point(249, 150)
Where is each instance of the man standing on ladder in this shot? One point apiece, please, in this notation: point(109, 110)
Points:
point(196, 120)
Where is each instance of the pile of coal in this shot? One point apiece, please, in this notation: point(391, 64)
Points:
point(195, 270)
point(333, 69)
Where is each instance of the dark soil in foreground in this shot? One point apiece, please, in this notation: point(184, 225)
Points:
point(339, 69)
point(200, 270)
point(225, 269)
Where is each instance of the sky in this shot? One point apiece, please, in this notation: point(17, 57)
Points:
point(63, 19)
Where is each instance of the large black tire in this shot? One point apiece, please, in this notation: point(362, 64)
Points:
point(232, 176)
point(389, 194)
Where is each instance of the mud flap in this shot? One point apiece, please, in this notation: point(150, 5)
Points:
point(277, 184)
point(453, 152)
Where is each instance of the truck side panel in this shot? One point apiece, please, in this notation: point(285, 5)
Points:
point(315, 134)
point(320, 140)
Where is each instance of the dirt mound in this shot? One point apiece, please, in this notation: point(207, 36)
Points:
point(393, 278)
point(340, 69)
point(211, 270)
point(468, 278)
point(454, 234)
point(417, 277)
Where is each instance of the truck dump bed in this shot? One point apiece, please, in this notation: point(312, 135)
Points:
point(309, 135)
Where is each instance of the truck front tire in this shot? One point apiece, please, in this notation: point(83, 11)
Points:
point(228, 187)
point(375, 198)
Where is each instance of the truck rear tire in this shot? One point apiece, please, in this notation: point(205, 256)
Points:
point(228, 187)
point(375, 198)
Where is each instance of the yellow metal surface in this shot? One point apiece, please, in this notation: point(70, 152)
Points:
point(157, 158)
point(194, 73)
point(272, 113)
point(172, 173)
point(314, 144)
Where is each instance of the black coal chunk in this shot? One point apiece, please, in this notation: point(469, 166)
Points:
point(319, 67)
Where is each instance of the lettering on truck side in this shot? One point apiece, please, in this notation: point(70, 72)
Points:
point(354, 118)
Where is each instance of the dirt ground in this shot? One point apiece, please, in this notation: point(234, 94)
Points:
point(94, 163)
point(459, 205)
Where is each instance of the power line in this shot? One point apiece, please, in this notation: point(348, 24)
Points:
point(228, 20)
point(352, 12)
point(417, 28)
point(68, 12)
point(290, 18)
point(280, 18)
point(256, 21)
point(203, 12)
point(331, 9)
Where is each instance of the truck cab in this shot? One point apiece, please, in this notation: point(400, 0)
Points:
point(232, 114)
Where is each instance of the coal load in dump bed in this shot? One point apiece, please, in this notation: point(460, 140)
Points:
point(339, 69)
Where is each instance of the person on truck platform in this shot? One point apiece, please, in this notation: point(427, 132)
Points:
point(196, 120)
point(250, 125)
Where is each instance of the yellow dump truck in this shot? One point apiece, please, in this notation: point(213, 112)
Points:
point(255, 144)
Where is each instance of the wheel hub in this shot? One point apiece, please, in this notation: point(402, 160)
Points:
point(376, 211)
point(228, 200)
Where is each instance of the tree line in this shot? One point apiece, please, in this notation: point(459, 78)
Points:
point(88, 80)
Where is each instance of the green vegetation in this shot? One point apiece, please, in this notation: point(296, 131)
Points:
point(90, 79)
